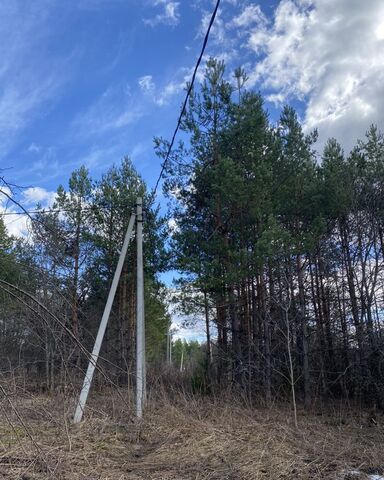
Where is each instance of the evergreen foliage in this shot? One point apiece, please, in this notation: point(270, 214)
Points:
point(285, 247)
point(280, 249)
point(68, 265)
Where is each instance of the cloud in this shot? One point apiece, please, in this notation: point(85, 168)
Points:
point(218, 34)
point(163, 95)
point(186, 326)
point(194, 332)
point(230, 25)
point(34, 195)
point(34, 148)
point(146, 84)
point(139, 149)
point(113, 110)
point(328, 54)
point(30, 78)
point(100, 155)
point(172, 226)
point(251, 15)
point(151, 91)
point(171, 89)
point(170, 14)
point(16, 224)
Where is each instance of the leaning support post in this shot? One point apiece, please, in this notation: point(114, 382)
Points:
point(103, 325)
point(140, 328)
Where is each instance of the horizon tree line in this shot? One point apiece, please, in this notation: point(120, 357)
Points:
point(279, 250)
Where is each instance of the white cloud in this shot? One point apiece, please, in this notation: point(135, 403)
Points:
point(113, 110)
point(218, 33)
point(43, 163)
point(100, 155)
point(146, 84)
point(33, 195)
point(17, 224)
point(138, 150)
point(30, 78)
point(170, 14)
point(172, 226)
point(329, 54)
point(170, 89)
point(379, 30)
point(193, 332)
point(275, 98)
point(189, 327)
point(163, 95)
point(34, 148)
point(230, 25)
point(252, 14)
point(5, 193)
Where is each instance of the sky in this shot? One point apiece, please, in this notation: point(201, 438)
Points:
point(86, 82)
point(89, 81)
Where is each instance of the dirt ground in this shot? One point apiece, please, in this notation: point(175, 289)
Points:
point(184, 439)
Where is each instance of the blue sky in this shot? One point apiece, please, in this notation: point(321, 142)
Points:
point(89, 81)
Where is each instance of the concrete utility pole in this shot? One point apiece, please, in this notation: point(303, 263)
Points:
point(167, 351)
point(140, 327)
point(169, 346)
point(182, 358)
point(103, 325)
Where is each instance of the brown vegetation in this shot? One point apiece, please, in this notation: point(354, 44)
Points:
point(183, 438)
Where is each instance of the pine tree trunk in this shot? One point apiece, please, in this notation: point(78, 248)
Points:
point(304, 332)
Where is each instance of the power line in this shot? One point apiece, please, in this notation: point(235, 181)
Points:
point(187, 96)
point(190, 87)
point(60, 210)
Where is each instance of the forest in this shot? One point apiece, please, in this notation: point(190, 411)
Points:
point(54, 283)
point(278, 247)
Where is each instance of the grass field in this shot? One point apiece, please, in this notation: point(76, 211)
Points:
point(186, 438)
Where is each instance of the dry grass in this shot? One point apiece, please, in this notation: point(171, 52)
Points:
point(188, 438)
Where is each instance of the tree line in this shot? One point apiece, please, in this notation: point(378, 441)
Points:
point(280, 248)
point(54, 284)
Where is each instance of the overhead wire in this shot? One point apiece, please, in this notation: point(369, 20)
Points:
point(170, 146)
point(189, 91)
point(47, 211)
point(29, 213)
